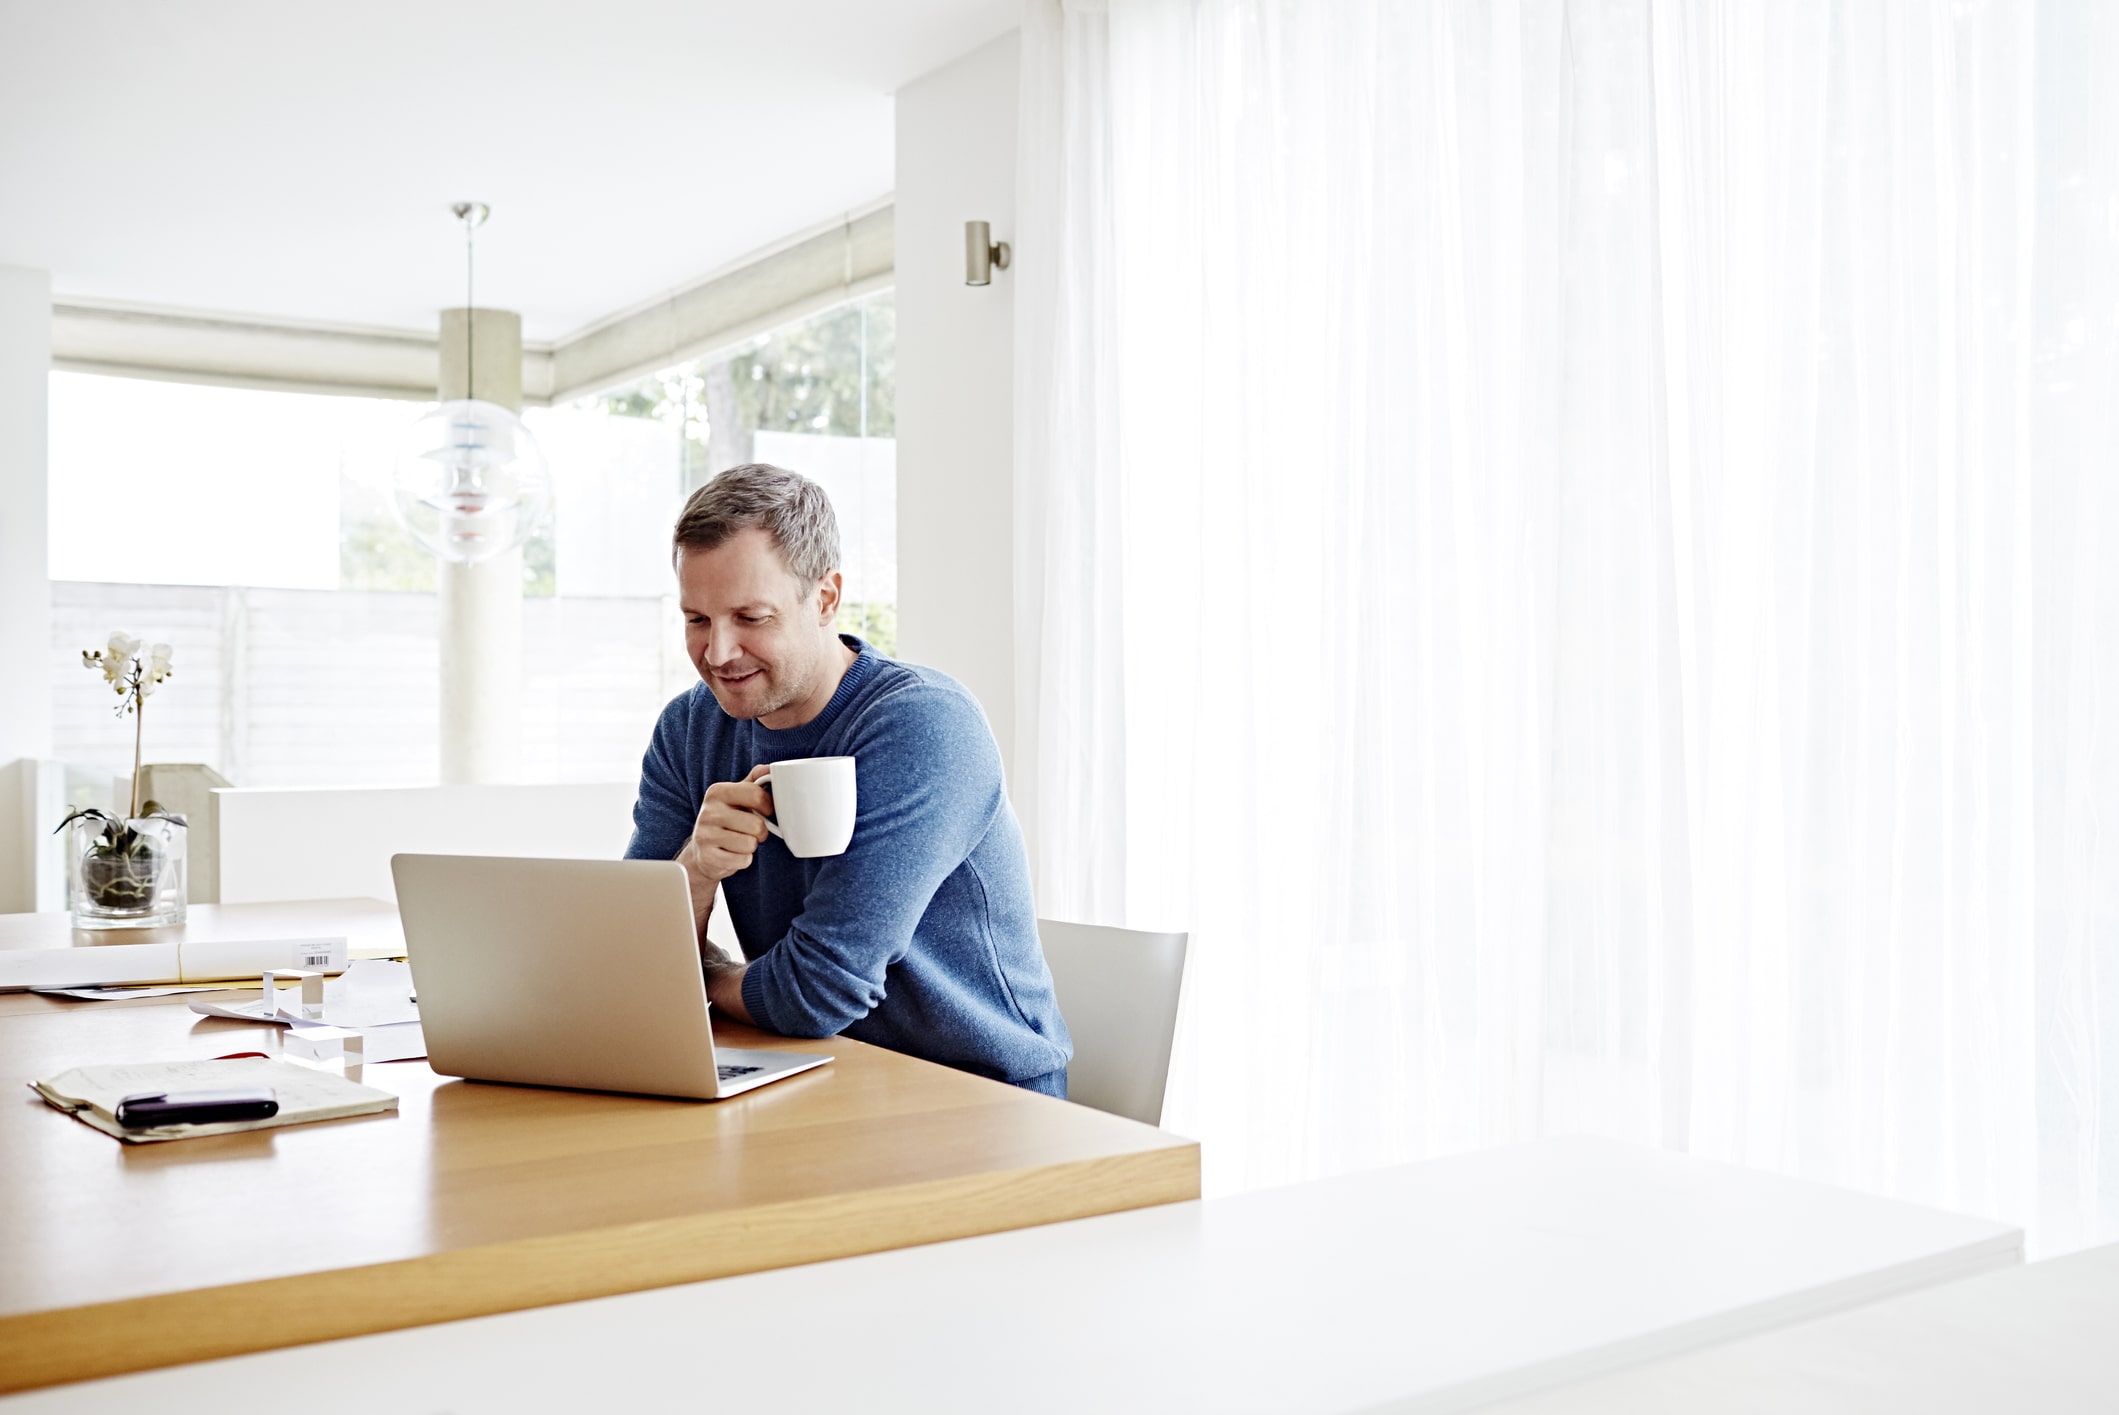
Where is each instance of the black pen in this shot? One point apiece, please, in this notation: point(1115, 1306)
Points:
point(151, 1108)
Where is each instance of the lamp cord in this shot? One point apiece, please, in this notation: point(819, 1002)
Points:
point(470, 310)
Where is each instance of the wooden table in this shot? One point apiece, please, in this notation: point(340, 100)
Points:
point(2043, 1337)
point(477, 1198)
point(1430, 1287)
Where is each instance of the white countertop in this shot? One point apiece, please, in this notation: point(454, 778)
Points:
point(1436, 1286)
point(2041, 1338)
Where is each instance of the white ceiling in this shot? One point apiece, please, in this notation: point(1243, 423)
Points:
point(297, 158)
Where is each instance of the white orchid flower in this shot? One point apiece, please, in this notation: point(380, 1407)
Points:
point(123, 665)
point(133, 676)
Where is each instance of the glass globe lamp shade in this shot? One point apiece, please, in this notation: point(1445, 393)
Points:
point(469, 481)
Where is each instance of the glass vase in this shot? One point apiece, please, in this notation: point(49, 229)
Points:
point(129, 877)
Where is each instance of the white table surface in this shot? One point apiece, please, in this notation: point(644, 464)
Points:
point(2041, 1338)
point(1435, 1286)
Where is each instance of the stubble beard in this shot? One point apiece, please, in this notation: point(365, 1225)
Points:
point(776, 694)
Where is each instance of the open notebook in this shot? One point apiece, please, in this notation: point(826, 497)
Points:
point(91, 1093)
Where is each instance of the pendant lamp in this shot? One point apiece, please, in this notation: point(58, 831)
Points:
point(468, 479)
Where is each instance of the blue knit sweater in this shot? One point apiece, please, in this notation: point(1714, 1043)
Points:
point(922, 936)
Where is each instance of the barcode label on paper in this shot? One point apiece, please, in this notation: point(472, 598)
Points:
point(312, 956)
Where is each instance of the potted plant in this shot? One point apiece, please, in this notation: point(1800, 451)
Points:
point(128, 872)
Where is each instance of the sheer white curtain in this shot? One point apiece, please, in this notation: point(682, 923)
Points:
point(1568, 544)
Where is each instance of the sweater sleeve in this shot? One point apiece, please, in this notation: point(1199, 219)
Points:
point(664, 811)
point(927, 786)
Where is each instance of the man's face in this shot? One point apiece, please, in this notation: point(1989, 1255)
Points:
point(758, 636)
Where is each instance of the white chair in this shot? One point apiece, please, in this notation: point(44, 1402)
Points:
point(1118, 991)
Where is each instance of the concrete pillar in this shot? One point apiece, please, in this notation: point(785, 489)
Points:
point(481, 605)
point(25, 583)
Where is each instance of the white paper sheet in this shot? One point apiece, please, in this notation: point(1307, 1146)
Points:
point(120, 994)
point(397, 1041)
point(370, 993)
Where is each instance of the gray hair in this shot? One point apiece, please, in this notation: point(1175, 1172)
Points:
point(786, 505)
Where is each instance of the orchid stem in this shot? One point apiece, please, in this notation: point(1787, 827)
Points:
point(139, 727)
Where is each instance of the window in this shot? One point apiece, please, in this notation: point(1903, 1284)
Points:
point(256, 537)
point(817, 397)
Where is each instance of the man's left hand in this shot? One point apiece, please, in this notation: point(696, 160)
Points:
point(724, 989)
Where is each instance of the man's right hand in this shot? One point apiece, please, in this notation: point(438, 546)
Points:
point(725, 837)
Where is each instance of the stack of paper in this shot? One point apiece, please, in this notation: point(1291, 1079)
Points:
point(91, 1093)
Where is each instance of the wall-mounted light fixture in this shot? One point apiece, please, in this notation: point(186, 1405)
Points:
point(981, 254)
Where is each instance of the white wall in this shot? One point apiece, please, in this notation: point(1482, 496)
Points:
point(956, 424)
point(25, 596)
point(333, 844)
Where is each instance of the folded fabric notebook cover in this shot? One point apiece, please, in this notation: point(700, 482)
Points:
point(91, 1093)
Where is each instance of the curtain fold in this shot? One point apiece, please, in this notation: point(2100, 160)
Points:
point(1564, 542)
point(1070, 574)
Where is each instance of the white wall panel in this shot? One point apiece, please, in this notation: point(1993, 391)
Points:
point(337, 843)
point(25, 701)
point(955, 371)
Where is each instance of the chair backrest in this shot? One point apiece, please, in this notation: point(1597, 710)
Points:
point(1118, 991)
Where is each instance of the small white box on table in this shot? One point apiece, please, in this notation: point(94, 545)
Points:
point(318, 1042)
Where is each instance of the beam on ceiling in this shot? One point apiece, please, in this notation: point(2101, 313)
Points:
point(104, 337)
point(818, 269)
point(840, 262)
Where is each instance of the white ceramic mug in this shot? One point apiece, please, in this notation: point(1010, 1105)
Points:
point(813, 804)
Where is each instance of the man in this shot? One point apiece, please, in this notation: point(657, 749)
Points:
point(921, 937)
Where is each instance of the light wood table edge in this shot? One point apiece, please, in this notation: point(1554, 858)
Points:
point(111, 1338)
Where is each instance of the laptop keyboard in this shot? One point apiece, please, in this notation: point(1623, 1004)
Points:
point(730, 1073)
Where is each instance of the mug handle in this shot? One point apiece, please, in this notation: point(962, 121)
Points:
point(767, 780)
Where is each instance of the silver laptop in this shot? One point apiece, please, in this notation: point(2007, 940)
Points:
point(575, 973)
